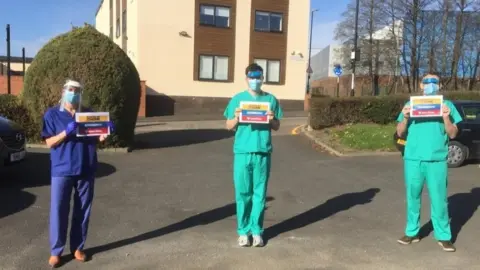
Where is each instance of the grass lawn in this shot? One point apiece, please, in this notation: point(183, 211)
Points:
point(363, 137)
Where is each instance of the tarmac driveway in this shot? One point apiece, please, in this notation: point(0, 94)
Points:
point(170, 206)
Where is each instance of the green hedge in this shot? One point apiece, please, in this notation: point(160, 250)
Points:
point(12, 108)
point(328, 112)
point(111, 81)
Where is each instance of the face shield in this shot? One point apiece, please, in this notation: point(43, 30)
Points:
point(72, 93)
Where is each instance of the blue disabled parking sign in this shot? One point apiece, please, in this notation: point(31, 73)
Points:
point(338, 70)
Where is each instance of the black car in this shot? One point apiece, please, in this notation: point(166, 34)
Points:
point(12, 142)
point(466, 145)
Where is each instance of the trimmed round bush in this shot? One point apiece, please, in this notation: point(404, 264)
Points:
point(12, 108)
point(110, 79)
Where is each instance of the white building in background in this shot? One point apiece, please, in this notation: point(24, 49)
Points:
point(324, 61)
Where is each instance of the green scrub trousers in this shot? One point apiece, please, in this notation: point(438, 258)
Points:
point(435, 175)
point(250, 175)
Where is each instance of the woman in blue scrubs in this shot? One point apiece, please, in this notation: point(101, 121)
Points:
point(73, 166)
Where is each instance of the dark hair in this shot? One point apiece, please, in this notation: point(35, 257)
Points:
point(253, 67)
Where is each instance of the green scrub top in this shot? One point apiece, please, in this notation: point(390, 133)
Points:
point(253, 138)
point(427, 139)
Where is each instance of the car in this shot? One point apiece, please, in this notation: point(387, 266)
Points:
point(466, 145)
point(12, 142)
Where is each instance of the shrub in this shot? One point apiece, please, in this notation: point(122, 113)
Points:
point(12, 109)
point(328, 112)
point(110, 79)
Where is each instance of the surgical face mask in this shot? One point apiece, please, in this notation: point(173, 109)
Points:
point(255, 84)
point(431, 89)
point(72, 97)
point(430, 86)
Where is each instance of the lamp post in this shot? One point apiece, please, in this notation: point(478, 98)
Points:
point(9, 78)
point(354, 55)
point(309, 69)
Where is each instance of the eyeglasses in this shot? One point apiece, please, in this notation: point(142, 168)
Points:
point(430, 80)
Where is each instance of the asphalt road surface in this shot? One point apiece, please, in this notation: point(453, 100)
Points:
point(169, 205)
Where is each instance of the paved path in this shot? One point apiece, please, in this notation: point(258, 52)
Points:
point(170, 206)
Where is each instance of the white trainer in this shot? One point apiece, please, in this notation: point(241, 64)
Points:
point(258, 241)
point(243, 241)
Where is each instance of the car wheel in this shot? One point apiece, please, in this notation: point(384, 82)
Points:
point(457, 154)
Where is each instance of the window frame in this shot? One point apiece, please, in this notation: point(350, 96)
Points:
point(213, 68)
point(265, 71)
point(118, 28)
point(468, 120)
point(215, 16)
point(269, 22)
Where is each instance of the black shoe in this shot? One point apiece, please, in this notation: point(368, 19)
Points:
point(407, 240)
point(447, 246)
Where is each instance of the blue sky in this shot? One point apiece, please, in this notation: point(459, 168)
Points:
point(34, 22)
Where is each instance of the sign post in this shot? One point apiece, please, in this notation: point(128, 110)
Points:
point(338, 71)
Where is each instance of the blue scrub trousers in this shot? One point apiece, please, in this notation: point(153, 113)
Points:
point(61, 192)
point(436, 175)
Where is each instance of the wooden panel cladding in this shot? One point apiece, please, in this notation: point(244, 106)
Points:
point(270, 45)
point(216, 41)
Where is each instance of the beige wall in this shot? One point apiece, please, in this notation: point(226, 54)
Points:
point(165, 59)
point(14, 66)
point(101, 20)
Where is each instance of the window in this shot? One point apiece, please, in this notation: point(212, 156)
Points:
point(118, 27)
point(472, 113)
point(124, 30)
point(215, 16)
point(111, 19)
point(271, 70)
point(213, 68)
point(268, 21)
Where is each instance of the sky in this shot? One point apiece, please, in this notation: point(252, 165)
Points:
point(34, 22)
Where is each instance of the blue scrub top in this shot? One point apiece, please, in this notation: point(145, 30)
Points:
point(75, 156)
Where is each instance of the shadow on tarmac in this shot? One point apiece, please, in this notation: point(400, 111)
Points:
point(204, 218)
point(33, 171)
point(174, 138)
point(461, 207)
point(329, 208)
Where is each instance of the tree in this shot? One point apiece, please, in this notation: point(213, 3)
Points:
point(111, 81)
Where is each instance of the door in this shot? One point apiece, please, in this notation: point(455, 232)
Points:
point(470, 128)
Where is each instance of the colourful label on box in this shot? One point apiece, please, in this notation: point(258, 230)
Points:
point(258, 107)
point(92, 118)
point(90, 129)
point(426, 106)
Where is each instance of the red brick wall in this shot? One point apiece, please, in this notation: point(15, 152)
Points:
point(17, 86)
point(363, 86)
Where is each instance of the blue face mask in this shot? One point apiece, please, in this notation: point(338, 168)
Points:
point(72, 97)
point(255, 84)
point(431, 89)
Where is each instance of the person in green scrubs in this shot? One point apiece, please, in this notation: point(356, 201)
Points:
point(252, 150)
point(425, 159)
